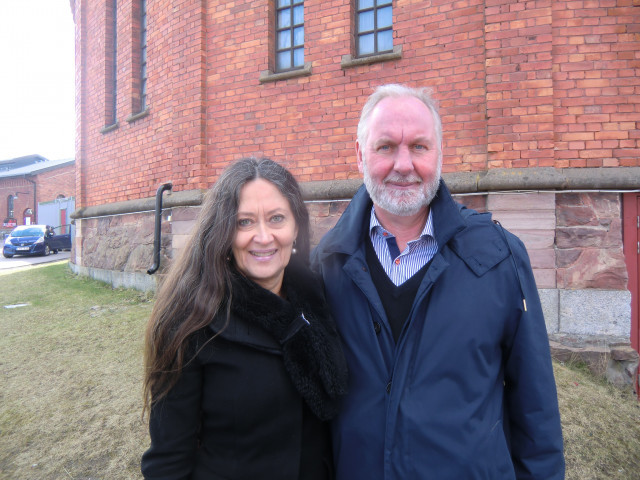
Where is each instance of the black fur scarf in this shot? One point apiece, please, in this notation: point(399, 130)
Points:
point(303, 326)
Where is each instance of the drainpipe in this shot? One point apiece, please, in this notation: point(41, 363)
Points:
point(157, 237)
point(35, 197)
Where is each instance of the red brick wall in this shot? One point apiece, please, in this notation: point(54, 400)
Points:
point(11, 186)
point(533, 83)
point(50, 184)
point(56, 182)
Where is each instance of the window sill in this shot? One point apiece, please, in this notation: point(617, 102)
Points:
point(109, 128)
point(269, 76)
point(349, 61)
point(137, 116)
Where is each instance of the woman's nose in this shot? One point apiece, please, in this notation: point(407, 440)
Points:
point(263, 233)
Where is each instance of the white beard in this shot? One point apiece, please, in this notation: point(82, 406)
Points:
point(402, 203)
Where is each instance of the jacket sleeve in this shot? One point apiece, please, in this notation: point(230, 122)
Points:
point(531, 402)
point(173, 426)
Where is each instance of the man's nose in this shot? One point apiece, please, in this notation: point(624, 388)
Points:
point(403, 161)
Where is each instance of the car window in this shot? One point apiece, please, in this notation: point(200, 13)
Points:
point(28, 232)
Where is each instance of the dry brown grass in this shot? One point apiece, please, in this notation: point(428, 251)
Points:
point(70, 362)
point(601, 426)
point(70, 395)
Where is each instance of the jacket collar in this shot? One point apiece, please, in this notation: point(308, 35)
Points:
point(348, 234)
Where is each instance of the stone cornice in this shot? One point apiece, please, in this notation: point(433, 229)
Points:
point(486, 181)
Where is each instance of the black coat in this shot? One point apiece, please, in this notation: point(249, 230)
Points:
point(243, 408)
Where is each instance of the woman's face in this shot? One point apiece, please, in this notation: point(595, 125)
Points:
point(265, 232)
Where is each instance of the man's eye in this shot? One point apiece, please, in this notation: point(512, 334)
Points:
point(384, 148)
point(420, 147)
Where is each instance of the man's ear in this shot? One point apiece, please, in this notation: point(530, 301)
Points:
point(360, 158)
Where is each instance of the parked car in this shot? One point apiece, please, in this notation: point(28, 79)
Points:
point(35, 240)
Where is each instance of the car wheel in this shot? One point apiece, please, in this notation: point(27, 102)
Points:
point(6, 255)
point(47, 250)
point(54, 251)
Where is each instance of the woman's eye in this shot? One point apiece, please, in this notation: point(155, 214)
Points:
point(244, 222)
point(277, 218)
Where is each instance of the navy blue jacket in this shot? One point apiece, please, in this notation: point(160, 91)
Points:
point(468, 392)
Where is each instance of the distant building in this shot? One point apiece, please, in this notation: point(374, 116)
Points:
point(539, 102)
point(34, 190)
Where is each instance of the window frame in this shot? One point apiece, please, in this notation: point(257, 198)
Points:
point(111, 66)
point(139, 50)
point(376, 6)
point(291, 5)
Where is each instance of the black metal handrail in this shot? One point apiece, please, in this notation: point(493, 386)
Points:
point(157, 236)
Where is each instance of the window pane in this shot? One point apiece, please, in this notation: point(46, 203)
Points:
point(298, 15)
point(384, 17)
point(283, 3)
point(385, 41)
point(298, 36)
point(284, 39)
point(284, 18)
point(383, 2)
point(284, 60)
point(298, 57)
point(365, 21)
point(365, 44)
point(362, 4)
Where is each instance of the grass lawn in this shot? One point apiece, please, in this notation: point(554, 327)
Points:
point(71, 369)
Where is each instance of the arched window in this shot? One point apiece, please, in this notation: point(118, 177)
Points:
point(27, 216)
point(10, 206)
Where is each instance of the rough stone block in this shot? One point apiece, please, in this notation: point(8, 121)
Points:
point(179, 214)
point(542, 258)
point(595, 312)
point(545, 277)
point(182, 227)
point(549, 300)
point(593, 269)
point(522, 201)
point(537, 239)
point(606, 234)
point(515, 221)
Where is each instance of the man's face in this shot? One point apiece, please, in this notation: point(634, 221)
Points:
point(401, 160)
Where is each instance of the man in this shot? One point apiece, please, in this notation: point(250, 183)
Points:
point(450, 371)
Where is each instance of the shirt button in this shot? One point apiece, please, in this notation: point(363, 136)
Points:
point(377, 328)
point(397, 262)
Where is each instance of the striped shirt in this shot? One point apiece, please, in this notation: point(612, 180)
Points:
point(400, 266)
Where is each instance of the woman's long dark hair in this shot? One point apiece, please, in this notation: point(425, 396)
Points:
point(198, 282)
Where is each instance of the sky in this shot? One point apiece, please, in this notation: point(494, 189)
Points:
point(37, 79)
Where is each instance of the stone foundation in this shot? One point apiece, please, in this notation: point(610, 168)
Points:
point(574, 242)
point(608, 357)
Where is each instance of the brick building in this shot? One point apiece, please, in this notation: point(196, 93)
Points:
point(539, 102)
point(30, 185)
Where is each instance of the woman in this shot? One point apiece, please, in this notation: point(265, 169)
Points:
point(243, 362)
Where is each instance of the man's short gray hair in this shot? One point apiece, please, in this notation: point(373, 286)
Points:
point(423, 94)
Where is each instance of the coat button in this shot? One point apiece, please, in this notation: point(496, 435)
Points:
point(377, 328)
point(389, 387)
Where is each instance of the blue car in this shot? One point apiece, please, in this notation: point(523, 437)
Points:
point(35, 240)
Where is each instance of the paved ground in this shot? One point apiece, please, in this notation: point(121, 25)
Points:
point(9, 265)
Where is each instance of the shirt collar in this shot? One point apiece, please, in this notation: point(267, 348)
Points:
point(375, 228)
